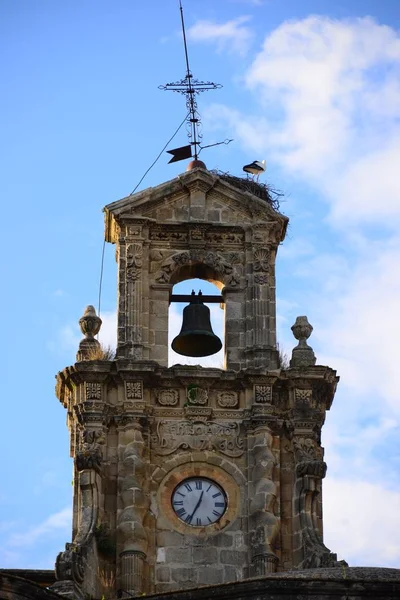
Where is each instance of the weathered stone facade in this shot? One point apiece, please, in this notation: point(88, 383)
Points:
point(138, 428)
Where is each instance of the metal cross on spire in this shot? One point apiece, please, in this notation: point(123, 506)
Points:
point(189, 87)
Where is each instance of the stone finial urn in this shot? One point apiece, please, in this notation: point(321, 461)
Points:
point(90, 325)
point(302, 355)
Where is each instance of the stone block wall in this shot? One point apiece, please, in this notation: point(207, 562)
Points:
point(139, 432)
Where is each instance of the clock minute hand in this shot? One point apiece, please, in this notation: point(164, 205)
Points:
point(197, 505)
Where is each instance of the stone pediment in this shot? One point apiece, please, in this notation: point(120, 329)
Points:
point(195, 196)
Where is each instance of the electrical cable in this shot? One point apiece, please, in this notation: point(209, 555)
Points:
point(133, 191)
point(152, 164)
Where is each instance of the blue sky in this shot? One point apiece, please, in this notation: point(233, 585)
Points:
point(311, 86)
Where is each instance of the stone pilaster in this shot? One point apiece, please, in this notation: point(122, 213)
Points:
point(132, 536)
point(263, 524)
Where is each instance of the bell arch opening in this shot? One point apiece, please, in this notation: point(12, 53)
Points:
point(208, 286)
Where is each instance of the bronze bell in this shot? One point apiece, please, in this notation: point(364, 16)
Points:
point(196, 337)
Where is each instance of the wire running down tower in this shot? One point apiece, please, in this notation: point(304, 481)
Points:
point(189, 87)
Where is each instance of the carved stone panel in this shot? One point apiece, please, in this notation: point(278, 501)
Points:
point(134, 390)
point(134, 254)
point(263, 394)
point(93, 391)
point(194, 435)
point(167, 397)
point(227, 399)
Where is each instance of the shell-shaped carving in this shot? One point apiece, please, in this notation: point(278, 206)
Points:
point(261, 259)
point(197, 395)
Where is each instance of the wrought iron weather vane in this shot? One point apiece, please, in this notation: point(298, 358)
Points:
point(189, 87)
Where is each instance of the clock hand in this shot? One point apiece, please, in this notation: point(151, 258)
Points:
point(197, 505)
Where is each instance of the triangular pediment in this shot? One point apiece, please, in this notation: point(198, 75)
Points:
point(195, 196)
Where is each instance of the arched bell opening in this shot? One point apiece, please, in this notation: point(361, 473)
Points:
point(184, 287)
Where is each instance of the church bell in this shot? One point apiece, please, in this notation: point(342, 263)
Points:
point(196, 337)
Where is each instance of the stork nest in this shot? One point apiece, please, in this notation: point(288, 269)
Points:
point(247, 184)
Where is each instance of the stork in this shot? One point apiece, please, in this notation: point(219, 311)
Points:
point(255, 168)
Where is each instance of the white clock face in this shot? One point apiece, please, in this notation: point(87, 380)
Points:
point(198, 501)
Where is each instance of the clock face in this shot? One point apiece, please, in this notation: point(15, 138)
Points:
point(198, 501)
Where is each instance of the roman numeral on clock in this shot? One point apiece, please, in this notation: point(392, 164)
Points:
point(181, 512)
point(199, 485)
point(179, 503)
point(216, 513)
point(187, 486)
point(217, 494)
point(221, 504)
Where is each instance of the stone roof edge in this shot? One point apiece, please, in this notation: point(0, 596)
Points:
point(178, 184)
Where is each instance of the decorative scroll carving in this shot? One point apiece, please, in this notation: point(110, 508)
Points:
point(196, 394)
point(93, 391)
point(197, 233)
point(134, 254)
point(263, 522)
point(263, 394)
point(309, 457)
point(71, 564)
point(168, 397)
point(224, 437)
point(198, 255)
point(227, 399)
point(89, 455)
point(224, 237)
point(166, 234)
point(134, 390)
point(155, 255)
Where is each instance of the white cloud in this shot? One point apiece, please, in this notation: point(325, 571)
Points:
point(108, 330)
point(362, 522)
point(58, 521)
point(335, 85)
point(233, 35)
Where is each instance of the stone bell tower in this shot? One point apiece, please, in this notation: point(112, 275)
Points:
point(185, 475)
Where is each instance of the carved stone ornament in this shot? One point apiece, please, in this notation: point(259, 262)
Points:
point(309, 457)
point(88, 459)
point(135, 230)
point(167, 397)
point(196, 395)
point(302, 397)
point(134, 254)
point(197, 255)
point(70, 564)
point(90, 323)
point(89, 455)
point(93, 391)
point(263, 394)
point(225, 237)
point(227, 399)
point(262, 259)
point(198, 413)
point(189, 435)
point(302, 355)
point(134, 390)
point(168, 234)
